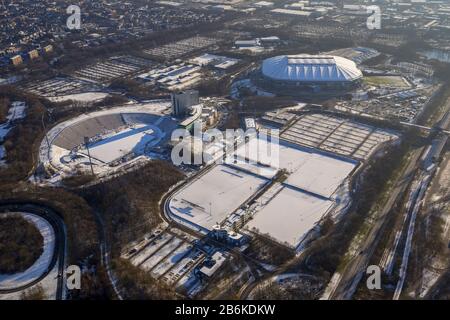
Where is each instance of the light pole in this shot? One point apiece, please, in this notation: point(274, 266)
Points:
point(86, 142)
point(45, 132)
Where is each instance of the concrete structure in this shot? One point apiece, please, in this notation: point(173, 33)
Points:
point(229, 237)
point(195, 114)
point(310, 74)
point(182, 102)
point(250, 123)
point(116, 137)
point(211, 266)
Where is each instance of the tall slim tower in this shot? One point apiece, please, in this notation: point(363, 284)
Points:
point(183, 101)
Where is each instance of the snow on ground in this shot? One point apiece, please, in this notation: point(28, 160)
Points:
point(171, 260)
point(159, 255)
point(8, 281)
point(309, 169)
point(191, 284)
point(295, 213)
point(183, 265)
point(49, 284)
point(133, 139)
point(213, 196)
point(81, 97)
point(429, 278)
point(17, 111)
point(150, 249)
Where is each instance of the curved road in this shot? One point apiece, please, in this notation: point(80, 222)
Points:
point(247, 288)
point(60, 242)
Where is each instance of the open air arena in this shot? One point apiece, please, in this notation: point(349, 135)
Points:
point(114, 138)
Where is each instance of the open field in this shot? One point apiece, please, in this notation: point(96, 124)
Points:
point(212, 197)
point(386, 81)
point(295, 213)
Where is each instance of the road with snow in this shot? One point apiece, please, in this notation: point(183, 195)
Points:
point(352, 273)
point(56, 258)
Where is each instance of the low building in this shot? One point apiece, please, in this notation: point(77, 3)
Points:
point(16, 60)
point(211, 266)
point(247, 43)
point(250, 124)
point(33, 54)
point(229, 237)
point(194, 115)
point(48, 49)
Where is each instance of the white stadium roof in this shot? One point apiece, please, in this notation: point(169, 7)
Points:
point(310, 68)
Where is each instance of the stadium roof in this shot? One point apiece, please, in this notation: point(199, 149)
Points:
point(310, 68)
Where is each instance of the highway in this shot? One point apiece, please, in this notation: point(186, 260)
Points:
point(60, 242)
point(356, 267)
point(424, 179)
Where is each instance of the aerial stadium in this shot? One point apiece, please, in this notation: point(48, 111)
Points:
point(109, 139)
point(309, 74)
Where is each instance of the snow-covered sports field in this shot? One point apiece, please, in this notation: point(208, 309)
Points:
point(289, 216)
point(213, 196)
point(128, 140)
point(309, 169)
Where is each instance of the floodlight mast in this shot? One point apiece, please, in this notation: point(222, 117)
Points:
point(45, 131)
point(86, 142)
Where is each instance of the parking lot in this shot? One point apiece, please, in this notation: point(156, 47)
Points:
point(180, 48)
point(337, 135)
point(56, 87)
point(166, 255)
point(116, 67)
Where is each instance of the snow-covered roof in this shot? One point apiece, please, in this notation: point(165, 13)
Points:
point(310, 68)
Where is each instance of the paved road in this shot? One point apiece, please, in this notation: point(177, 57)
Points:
point(105, 252)
point(355, 268)
point(60, 242)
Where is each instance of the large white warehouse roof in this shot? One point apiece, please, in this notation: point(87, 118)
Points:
point(310, 68)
